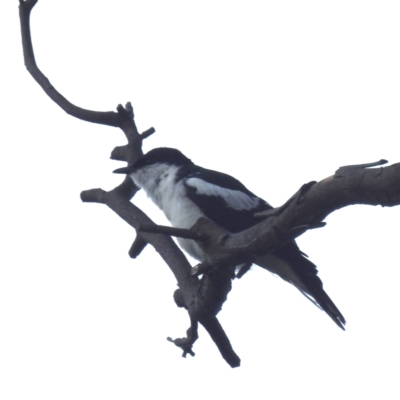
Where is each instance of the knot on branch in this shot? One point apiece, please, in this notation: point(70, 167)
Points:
point(178, 298)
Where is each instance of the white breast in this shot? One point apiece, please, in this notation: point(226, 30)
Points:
point(158, 181)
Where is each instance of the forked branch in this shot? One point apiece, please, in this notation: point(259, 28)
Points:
point(118, 200)
point(203, 298)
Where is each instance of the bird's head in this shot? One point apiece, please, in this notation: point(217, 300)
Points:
point(154, 166)
point(160, 155)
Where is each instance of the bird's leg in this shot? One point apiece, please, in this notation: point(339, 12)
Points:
point(225, 261)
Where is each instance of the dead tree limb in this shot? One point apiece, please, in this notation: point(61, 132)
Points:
point(195, 295)
point(203, 298)
point(305, 210)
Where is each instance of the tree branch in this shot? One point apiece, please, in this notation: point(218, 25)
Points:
point(218, 335)
point(305, 210)
point(168, 230)
point(98, 117)
point(354, 184)
point(203, 298)
point(118, 198)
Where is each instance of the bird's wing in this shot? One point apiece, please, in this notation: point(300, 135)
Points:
point(228, 203)
point(224, 199)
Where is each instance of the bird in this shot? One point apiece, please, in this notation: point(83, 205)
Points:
point(186, 192)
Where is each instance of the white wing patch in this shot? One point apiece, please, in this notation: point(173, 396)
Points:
point(234, 198)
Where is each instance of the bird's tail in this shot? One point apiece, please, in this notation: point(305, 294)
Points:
point(292, 266)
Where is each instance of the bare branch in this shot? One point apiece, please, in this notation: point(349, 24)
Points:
point(203, 299)
point(147, 133)
point(208, 305)
point(187, 342)
point(214, 329)
point(168, 230)
point(305, 210)
point(98, 117)
point(218, 335)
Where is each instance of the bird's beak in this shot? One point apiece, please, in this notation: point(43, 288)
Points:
point(125, 170)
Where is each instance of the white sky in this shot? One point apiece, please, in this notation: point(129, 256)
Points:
point(276, 93)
